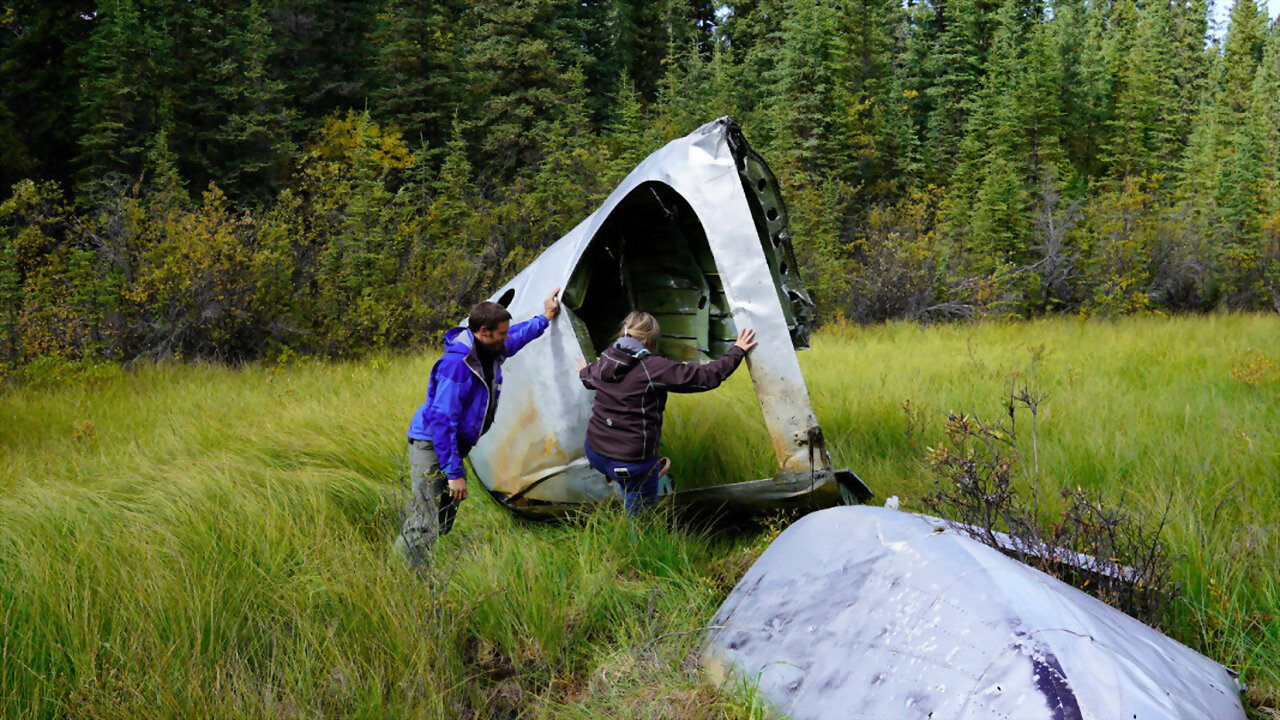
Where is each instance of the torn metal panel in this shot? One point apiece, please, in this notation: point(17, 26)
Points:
point(863, 612)
point(1057, 558)
point(697, 235)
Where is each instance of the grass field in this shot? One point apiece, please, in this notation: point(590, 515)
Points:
point(188, 541)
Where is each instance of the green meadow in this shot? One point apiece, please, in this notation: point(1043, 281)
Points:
point(202, 541)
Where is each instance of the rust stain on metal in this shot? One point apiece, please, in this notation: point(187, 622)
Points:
point(528, 450)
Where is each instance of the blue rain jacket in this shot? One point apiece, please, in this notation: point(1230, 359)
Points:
point(452, 418)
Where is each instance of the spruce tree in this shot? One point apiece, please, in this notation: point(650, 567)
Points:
point(1198, 171)
point(1143, 129)
point(1085, 84)
point(1247, 185)
point(625, 36)
point(42, 48)
point(914, 77)
point(414, 80)
point(1040, 117)
point(449, 238)
point(745, 33)
point(723, 94)
point(1241, 178)
point(1240, 167)
point(164, 181)
point(518, 61)
point(117, 111)
point(251, 142)
point(454, 188)
point(625, 131)
point(802, 83)
point(991, 193)
point(868, 115)
point(1264, 115)
point(682, 103)
point(747, 22)
point(1190, 64)
point(569, 180)
point(1246, 37)
point(956, 64)
point(319, 51)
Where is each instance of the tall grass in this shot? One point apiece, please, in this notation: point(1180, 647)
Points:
point(197, 541)
point(203, 541)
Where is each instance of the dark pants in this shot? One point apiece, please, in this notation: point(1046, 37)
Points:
point(638, 480)
point(431, 508)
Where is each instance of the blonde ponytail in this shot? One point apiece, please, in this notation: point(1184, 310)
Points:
point(643, 327)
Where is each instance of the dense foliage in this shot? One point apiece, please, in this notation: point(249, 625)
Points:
point(233, 179)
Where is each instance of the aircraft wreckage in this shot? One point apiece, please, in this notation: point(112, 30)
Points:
point(862, 612)
point(696, 235)
point(852, 612)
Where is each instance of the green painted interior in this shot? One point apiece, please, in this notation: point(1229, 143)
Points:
point(651, 255)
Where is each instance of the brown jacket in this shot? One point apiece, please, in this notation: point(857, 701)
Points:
point(631, 392)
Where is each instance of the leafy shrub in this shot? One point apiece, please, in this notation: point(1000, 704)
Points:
point(1101, 549)
point(895, 265)
point(29, 219)
point(1121, 225)
point(1271, 258)
point(898, 266)
point(202, 286)
point(1181, 265)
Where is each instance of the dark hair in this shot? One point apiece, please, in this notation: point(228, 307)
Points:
point(487, 315)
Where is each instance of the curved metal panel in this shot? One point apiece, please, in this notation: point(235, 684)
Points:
point(862, 612)
point(532, 456)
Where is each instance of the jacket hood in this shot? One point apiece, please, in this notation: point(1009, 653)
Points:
point(620, 358)
point(459, 340)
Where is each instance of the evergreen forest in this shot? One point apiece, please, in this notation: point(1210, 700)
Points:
point(235, 180)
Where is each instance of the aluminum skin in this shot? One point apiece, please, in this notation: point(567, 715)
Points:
point(864, 612)
point(532, 461)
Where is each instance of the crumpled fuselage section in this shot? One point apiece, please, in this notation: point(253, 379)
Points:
point(696, 235)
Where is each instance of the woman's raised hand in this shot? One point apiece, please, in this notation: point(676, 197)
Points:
point(746, 339)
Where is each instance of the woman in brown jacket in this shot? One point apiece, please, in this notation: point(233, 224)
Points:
point(631, 385)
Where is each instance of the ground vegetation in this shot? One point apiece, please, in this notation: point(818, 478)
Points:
point(186, 540)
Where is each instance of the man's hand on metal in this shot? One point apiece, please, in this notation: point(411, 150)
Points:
point(551, 305)
point(458, 488)
point(746, 339)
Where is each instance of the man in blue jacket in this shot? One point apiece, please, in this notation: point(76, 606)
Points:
point(462, 397)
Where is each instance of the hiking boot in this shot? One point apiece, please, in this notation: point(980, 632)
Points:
point(417, 535)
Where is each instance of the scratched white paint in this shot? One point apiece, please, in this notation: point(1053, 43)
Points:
point(1009, 641)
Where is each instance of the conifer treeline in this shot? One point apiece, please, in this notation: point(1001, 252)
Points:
point(230, 179)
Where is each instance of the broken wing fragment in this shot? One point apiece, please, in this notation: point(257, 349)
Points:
point(696, 235)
